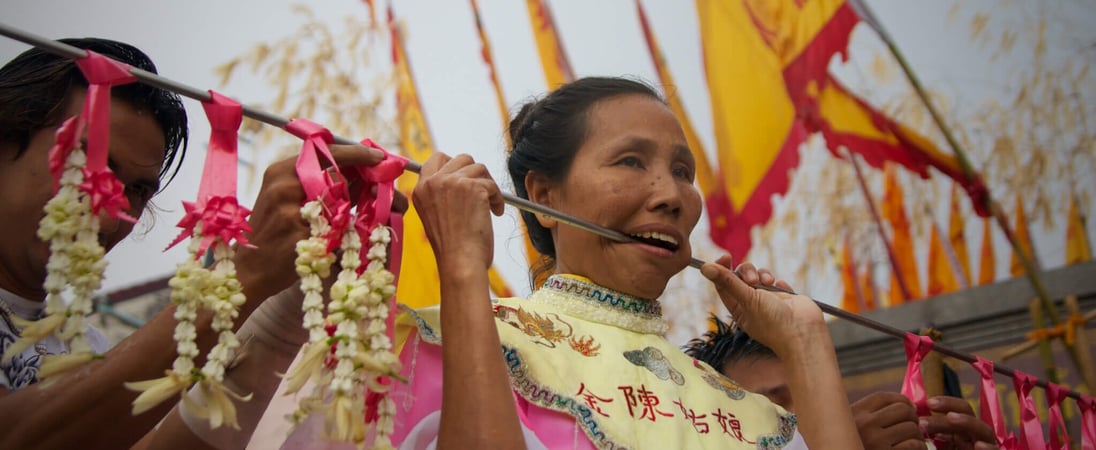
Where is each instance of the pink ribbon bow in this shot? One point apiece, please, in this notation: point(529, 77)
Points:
point(374, 209)
point(1059, 437)
point(1031, 432)
point(1088, 422)
point(217, 208)
point(103, 188)
point(989, 409)
point(913, 385)
point(319, 183)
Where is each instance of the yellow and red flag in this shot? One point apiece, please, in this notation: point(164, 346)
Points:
point(956, 229)
point(531, 253)
point(894, 211)
point(492, 72)
point(419, 282)
point(1023, 237)
point(553, 59)
point(1077, 246)
point(851, 300)
point(704, 175)
point(766, 65)
point(941, 270)
point(987, 266)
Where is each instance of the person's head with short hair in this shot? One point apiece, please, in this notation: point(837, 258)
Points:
point(751, 364)
point(39, 91)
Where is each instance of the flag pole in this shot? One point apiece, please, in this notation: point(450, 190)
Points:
point(1030, 267)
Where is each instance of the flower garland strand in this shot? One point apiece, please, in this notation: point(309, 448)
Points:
point(83, 188)
point(212, 224)
point(187, 286)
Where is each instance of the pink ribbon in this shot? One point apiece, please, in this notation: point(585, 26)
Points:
point(1059, 437)
point(374, 209)
point(990, 406)
point(319, 183)
point(103, 188)
point(1031, 432)
point(913, 385)
point(63, 146)
point(217, 208)
point(1088, 422)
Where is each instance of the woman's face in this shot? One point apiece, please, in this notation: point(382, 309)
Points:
point(634, 174)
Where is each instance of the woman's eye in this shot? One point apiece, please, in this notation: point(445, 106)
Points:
point(630, 161)
point(684, 173)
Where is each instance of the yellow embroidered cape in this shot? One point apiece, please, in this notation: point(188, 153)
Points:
point(598, 356)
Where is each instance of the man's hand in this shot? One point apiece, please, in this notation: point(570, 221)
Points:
point(887, 420)
point(958, 428)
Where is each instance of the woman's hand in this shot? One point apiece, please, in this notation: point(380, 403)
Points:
point(276, 224)
point(776, 319)
point(454, 197)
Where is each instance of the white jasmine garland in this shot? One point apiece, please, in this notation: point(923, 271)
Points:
point(76, 260)
point(187, 286)
point(313, 265)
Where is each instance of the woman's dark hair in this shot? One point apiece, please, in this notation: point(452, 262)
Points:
point(35, 88)
point(546, 134)
point(727, 343)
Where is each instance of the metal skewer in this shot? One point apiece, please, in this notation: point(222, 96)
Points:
point(68, 51)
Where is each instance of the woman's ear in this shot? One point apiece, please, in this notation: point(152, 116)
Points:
point(540, 190)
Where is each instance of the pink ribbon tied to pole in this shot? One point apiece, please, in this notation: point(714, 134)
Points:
point(989, 408)
point(103, 188)
point(374, 209)
point(217, 208)
point(319, 184)
point(913, 385)
point(1088, 422)
point(1059, 436)
point(1031, 432)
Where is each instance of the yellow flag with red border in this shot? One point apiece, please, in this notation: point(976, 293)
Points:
point(1078, 249)
point(766, 63)
point(553, 59)
point(956, 235)
point(419, 282)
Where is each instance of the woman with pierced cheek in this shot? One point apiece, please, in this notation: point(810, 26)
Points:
point(583, 363)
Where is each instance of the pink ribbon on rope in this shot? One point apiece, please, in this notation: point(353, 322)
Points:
point(64, 144)
point(319, 183)
point(217, 208)
point(1031, 432)
point(913, 385)
point(1059, 437)
point(1088, 422)
point(102, 187)
point(374, 209)
point(989, 409)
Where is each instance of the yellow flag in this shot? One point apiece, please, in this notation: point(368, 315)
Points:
point(894, 211)
point(987, 266)
point(956, 228)
point(941, 272)
point(553, 59)
point(850, 298)
point(419, 282)
point(1077, 246)
point(1022, 236)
